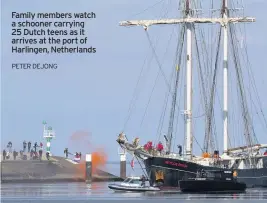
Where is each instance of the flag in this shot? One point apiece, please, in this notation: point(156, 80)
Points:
point(132, 163)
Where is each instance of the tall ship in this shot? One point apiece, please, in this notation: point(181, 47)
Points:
point(212, 70)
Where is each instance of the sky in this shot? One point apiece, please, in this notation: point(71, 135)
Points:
point(89, 94)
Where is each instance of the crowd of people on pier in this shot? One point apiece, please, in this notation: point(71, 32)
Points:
point(28, 151)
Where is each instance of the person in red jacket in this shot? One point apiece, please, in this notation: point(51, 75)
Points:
point(160, 147)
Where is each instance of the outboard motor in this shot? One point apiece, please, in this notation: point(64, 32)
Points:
point(180, 150)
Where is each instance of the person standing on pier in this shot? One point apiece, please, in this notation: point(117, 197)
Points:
point(24, 146)
point(66, 152)
point(9, 146)
point(40, 154)
point(15, 154)
point(29, 146)
point(35, 147)
point(47, 155)
point(4, 154)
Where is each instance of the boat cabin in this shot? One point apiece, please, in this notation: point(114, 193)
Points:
point(134, 181)
point(216, 175)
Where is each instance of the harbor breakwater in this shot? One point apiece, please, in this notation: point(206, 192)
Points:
point(57, 169)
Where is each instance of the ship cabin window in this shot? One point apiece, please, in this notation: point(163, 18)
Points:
point(213, 175)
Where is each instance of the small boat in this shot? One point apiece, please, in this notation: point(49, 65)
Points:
point(133, 184)
point(213, 181)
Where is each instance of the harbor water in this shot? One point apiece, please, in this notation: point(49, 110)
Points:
point(29, 192)
point(100, 191)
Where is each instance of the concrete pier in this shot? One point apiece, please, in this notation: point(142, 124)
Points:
point(57, 169)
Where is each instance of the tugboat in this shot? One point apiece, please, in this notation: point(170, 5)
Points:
point(133, 184)
point(213, 181)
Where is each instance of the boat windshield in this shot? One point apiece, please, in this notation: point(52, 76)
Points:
point(127, 180)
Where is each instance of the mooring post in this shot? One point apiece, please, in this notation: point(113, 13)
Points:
point(123, 165)
point(88, 168)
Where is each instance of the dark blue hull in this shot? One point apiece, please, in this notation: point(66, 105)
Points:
point(175, 170)
point(200, 186)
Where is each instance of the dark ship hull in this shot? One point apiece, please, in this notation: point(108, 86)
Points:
point(200, 186)
point(174, 170)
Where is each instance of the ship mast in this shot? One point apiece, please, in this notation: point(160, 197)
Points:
point(189, 20)
point(188, 112)
point(225, 77)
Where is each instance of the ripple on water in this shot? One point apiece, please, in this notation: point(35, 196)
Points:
point(81, 191)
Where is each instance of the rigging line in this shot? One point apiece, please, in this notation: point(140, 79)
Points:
point(137, 93)
point(142, 168)
point(253, 79)
point(210, 110)
point(162, 72)
point(167, 9)
point(155, 84)
point(197, 141)
point(149, 99)
point(160, 126)
point(177, 74)
point(201, 76)
point(246, 117)
point(152, 6)
point(177, 117)
point(249, 119)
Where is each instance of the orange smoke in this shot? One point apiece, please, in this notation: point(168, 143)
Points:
point(80, 140)
point(99, 159)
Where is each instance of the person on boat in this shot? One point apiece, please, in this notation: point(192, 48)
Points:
point(143, 181)
point(180, 150)
point(121, 138)
point(4, 154)
point(265, 153)
point(160, 147)
point(136, 142)
point(235, 175)
point(203, 173)
point(29, 146)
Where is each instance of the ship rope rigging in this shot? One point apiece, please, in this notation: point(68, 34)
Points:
point(208, 67)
